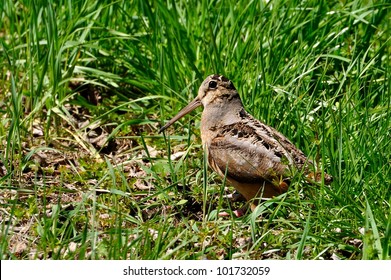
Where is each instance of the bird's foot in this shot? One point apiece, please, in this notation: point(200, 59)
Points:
point(238, 213)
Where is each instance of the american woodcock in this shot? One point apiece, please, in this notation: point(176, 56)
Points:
point(254, 157)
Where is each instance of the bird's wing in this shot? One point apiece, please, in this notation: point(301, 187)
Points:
point(247, 154)
point(299, 159)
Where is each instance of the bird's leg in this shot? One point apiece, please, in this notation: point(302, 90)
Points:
point(235, 197)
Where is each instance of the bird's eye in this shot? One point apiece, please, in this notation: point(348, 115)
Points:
point(212, 84)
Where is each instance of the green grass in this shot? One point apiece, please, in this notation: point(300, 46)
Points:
point(85, 85)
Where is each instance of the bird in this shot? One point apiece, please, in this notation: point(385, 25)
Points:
point(256, 159)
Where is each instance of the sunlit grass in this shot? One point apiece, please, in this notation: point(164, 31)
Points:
point(73, 71)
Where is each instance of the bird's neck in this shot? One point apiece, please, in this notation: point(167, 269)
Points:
point(218, 114)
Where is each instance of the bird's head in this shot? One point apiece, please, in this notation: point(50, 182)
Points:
point(214, 89)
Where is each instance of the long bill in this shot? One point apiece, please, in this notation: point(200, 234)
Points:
point(190, 107)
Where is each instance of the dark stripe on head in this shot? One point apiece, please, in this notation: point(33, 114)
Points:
point(227, 83)
point(220, 78)
point(224, 79)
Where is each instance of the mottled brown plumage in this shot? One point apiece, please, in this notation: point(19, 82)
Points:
point(255, 158)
